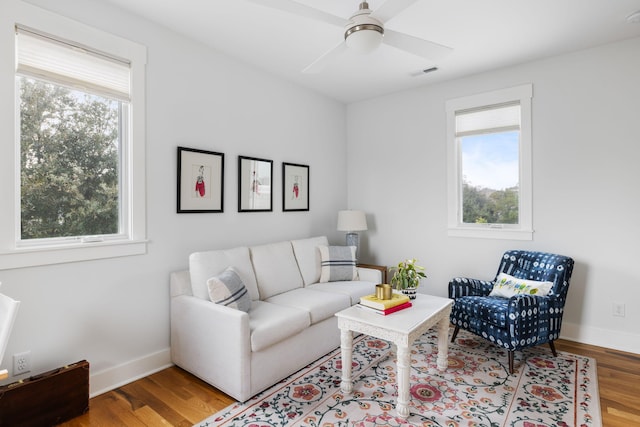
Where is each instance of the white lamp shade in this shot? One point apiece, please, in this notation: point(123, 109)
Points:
point(352, 221)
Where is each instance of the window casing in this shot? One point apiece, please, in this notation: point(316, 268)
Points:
point(96, 66)
point(489, 164)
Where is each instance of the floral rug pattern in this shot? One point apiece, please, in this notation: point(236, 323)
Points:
point(475, 390)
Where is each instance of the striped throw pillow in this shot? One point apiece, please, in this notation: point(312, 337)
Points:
point(228, 289)
point(337, 263)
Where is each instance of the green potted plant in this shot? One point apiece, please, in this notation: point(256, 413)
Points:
point(406, 277)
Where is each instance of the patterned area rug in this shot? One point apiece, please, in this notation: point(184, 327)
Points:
point(476, 390)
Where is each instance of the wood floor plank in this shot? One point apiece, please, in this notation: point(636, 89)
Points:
point(173, 397)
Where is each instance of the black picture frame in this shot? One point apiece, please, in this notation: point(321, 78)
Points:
point(295, 187)
point(255, 184)
point(200, 181)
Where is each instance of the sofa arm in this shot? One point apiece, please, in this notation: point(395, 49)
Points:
point(464, 286)
point(212, 342)
point(369, 274)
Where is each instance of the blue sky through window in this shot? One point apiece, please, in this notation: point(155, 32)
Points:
point(491, 160)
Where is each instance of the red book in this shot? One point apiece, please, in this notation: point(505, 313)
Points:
point(388, 310)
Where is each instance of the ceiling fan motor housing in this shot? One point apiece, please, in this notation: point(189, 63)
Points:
point(363, 33)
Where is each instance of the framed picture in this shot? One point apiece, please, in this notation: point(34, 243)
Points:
point(295, 187)
point(200, 181)
point(254, 184)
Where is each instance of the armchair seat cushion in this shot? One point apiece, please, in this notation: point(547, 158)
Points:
point(493, 310)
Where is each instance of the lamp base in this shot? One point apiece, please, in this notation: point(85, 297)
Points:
point(353, 240)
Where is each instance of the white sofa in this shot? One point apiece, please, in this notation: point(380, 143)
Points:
point(290, 323)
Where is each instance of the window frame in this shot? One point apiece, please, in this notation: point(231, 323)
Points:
point(456, 228)
point(13, 253)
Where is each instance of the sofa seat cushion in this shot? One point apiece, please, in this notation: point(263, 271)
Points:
point(353, 289)
point(276, 269)
point(319, 305)
point(271, 323)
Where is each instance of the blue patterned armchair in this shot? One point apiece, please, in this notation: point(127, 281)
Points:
point(519, 321)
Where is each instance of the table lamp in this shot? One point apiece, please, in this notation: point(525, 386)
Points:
point(352, 221)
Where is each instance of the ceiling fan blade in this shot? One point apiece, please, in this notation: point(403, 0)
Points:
point(391, 8)
point(319, 64)
point(299, 9)
point(414, 45)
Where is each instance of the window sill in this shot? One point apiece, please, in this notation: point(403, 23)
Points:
point(491, 233)
point(31, 257)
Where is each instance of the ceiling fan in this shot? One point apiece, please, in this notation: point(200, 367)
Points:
point(364, 31)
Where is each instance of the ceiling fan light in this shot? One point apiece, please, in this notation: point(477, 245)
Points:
point(364, 38)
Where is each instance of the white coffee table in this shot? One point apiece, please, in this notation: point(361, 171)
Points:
point(401, 328)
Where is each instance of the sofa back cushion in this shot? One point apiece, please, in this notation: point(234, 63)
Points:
point(205, 265)
point(308, 257)
point(276, 269)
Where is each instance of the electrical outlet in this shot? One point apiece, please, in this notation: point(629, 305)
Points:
point(21, 363)
point(618, 309)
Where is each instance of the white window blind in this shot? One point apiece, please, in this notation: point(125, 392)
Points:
point(68, 64)
point(491, 119)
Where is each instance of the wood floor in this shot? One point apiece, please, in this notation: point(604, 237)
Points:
point(173, 397)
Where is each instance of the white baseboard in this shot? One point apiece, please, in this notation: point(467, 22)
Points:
point(622, 341)
point(112, 378)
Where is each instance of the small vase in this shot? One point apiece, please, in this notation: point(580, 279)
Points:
point(410, 292)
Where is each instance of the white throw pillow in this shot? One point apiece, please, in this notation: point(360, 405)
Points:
point(337, 263)
point(228, 289)
point(507, 286)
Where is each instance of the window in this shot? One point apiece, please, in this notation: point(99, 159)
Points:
point(489, 155)
point(71, 140)
point(79, 152)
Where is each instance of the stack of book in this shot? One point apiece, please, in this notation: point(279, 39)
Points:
point(384, 306)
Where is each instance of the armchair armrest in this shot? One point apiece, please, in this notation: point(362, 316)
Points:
point(464, 286)
point(533, 319)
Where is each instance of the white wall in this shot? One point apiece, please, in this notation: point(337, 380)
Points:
point(115, 313)
point(585, 183)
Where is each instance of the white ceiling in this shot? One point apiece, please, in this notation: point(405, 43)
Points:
point(484, 34)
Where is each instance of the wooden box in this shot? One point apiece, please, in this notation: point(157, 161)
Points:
point(47, 399)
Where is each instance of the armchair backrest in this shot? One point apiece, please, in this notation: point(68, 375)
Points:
point(539, 266)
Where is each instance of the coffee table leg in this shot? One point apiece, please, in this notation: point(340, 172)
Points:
point(402, 407)
point(443, 344)
point(346, 351)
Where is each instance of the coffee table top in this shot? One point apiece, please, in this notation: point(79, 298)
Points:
point(404, 321)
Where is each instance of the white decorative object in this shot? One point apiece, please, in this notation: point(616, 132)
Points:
point(8, 313)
